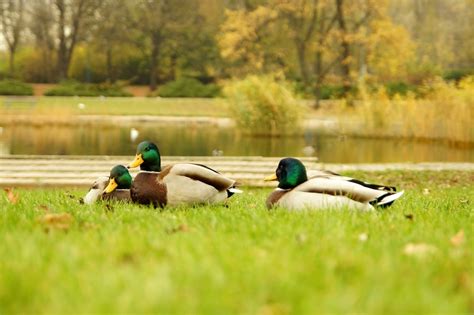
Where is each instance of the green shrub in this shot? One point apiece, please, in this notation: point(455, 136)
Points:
point(331, 92)
point(400, 88)
point(457, 75)
point(262, 105)
point(12, 87)
point(72, 88)
point(187, 87)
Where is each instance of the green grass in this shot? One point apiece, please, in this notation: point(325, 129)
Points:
point(123, 106)
point(241, 258)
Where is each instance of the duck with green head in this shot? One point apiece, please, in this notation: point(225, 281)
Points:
point(115, 187)
point(298, 190)
point(176, 184)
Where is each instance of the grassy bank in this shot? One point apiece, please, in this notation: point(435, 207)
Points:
point(70, 106)
point(416, 257)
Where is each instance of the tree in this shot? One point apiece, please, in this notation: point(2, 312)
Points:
point(12, 22)
point(73, 21)
point(160, 22)
point(243, 36)
point(332, 39)
point(41, 25)
point(111, 31)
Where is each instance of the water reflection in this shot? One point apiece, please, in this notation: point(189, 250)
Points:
point(202, 140)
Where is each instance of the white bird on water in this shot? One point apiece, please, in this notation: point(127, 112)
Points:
point(308, 150)
point(134, 134)
point(81, 106)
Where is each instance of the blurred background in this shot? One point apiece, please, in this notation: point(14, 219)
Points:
point(365, 75)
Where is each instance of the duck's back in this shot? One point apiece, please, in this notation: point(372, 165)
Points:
point(195, 184)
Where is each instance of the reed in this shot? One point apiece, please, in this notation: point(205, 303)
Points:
point(444, 113)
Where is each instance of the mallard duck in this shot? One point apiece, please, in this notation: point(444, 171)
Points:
point(115, 187)
point(182, 183)
point(324, 189)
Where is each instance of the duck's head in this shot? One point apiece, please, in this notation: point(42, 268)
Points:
point(289, 173)
point(147, 157)
point(119, 178)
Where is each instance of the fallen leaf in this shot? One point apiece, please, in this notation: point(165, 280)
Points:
point(11, 196)
point(179, 228)
point(59, 221)
point(45, 208)
point(458, 239)
point(419, 249)
point(409, 216)
point(127, 258)
point(426, 191)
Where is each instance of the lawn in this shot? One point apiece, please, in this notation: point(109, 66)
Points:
point(59, 256)
point(117, 106)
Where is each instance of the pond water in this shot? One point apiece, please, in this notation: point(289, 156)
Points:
point(203, 140)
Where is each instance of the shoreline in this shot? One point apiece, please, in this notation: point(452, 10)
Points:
point(328, 126)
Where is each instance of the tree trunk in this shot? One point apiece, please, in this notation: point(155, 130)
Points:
point(301, 53)
point(346, 51)
point(12, 61)
point(110, 68)
point(319, 79)
point(62, 51)
point(154, 63)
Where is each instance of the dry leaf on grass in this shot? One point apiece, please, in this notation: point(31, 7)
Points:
point(458, 239)
point(59, 221)
point(409, 216)
point(180, 228)
point(11, 196)
point(419, 249)
point(45, 208)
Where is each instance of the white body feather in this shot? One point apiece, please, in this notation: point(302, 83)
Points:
point(96, 190)
point(299, 200)
point(189, 184)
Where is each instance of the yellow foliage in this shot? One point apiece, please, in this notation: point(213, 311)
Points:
point(390, 50)
point(239, 39)
point(446, 112)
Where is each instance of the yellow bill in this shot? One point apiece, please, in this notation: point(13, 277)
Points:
point(111, 186)
point(271, 177)
point(137, 162)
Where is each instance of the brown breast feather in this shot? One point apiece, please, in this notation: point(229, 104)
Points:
point(147, 188)
point(118, 194)
point(274, 197)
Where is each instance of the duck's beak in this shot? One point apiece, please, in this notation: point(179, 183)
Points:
point(137, 162)
point(111, 186)
point(270, 178)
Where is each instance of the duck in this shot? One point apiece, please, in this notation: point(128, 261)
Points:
point(176, 184)
point(114, 187)
point(320, 189)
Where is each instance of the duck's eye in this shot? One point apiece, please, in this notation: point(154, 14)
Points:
point(147, 149)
